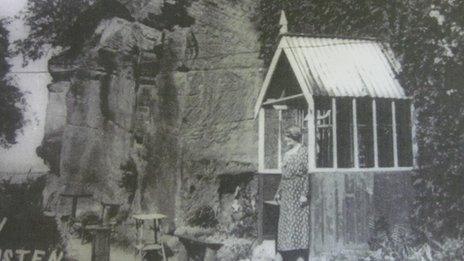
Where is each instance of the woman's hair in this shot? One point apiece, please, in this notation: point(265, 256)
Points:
point(294, 133)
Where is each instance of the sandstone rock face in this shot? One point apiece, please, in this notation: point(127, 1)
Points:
point(176, 106)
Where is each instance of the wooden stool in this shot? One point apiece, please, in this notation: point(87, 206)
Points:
point(101, 236)
point(142, 247)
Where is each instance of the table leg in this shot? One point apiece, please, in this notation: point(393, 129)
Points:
point(74, 207)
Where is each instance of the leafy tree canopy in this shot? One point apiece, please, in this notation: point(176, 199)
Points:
point(11, 98)
point(63, 23)
point(68, 23)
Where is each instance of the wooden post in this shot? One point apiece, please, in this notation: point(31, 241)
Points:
point(415, 147)
point(260, 208)
point(279, 142)
point(74, 207)
point(395, 139)
point(355, 135)
point(100, 242)
point(311, 135)
point(261, 140)
point(374, 128)
point(334, 133)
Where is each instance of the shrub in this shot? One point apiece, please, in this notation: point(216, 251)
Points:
point(203, 217)
point(27, 227)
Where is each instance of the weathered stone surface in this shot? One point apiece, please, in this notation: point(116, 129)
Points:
point(180, 109)
point(56, 109)
point(121, 35)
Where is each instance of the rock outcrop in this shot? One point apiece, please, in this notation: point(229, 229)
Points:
point(160, 120)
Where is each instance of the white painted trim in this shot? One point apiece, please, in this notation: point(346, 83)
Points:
point(355, 134)
point(343, 170)
point(268, 78)
point(283, 100)
point(415, 147)
point(311, 134)
point(395, 135)
point(270, 172)
point(334, 134)
point(362, 169)
point(261, 127)
point(375, 136)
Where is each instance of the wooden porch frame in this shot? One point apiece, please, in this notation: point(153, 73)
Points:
point(311, 124)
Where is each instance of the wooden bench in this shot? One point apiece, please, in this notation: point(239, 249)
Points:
point(208, 248)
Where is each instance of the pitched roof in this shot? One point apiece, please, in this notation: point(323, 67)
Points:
point(338, 67)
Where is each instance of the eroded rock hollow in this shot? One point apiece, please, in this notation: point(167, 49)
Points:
point(159, 117)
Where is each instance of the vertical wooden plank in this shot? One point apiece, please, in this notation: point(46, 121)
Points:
point(395, 140)
point(349, 207)
point(415, 147)
point(341, 204)
point(370, 206)
point(374, 127)
point(261, 124)
point(329, 212)
point(316, 213)
point(260, 207)
point(355, 135)
point(311, 135)
point(360, 207)
point(334, 133)
point(322, 199)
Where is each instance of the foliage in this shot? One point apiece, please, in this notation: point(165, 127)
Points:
point(204, 217)
point(427, 37)
point(64, 23)
point(172, 14)
point(27, 227)
point(11, 98)
point(451, 250)
point(69, 23)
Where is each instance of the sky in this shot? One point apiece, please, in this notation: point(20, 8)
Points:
point(21, 157)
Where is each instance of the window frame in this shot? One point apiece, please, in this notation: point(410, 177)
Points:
point(312, 121)
point(376, 167)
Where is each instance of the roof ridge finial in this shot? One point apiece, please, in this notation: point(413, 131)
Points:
point(283, 23)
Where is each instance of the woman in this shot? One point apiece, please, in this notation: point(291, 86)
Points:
point(292, 196)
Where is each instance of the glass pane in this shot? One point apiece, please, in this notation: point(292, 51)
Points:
point(345, 133)
point(324, 122)
point(271, 139)
point(365, 133)
point(384, 133)
point(403, 129)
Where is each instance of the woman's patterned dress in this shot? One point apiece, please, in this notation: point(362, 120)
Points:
point(293, 230)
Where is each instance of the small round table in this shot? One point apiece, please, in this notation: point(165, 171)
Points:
point(143, 247)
